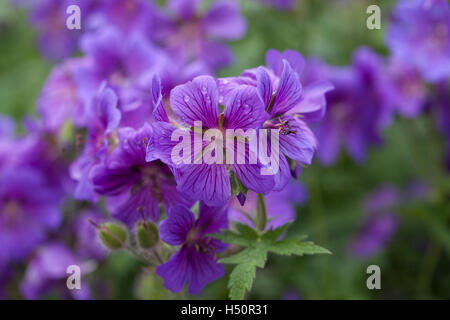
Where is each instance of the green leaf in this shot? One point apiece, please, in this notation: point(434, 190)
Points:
point(256, 251)
point(295, 246)
point(245, 237)
point(241, 280)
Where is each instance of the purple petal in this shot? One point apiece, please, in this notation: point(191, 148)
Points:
point(288, 93)
point(274, 60)
point(113, 182)
point(212, 219)
point(135, 205)
point(244, 109)
point(175, 271)
point(184, 9)
point(174, 230)
point(209, 183)
point(251, 177)
point(158, 108)
point(196, 101)
point(312, 105)
point(202, 270)
point(224, 21)
point(265, 89)
point(300, 144)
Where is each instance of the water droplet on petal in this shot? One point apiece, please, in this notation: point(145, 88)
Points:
point(204, 90)
point(186, 98)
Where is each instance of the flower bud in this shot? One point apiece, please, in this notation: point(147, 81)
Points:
point(112, 235)
point(147, 234)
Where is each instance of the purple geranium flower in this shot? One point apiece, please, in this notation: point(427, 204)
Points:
point(420, 34)
point(192, 35)
point(280, 206)
point(361, 105)
point(289, 106)
point(380, 223)
point(198, 100)
point(134, 187)
point(196, 261)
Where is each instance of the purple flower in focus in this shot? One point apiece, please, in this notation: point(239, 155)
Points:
point(198, 100)
point(193, 35)
point(196, 261)
point(289, 106)
point(134, 187)
point(280, 206)
point(420, 34)
point(380, 223)
point(359, 107)
point(48, 270)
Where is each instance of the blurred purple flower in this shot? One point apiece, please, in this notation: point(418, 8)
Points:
point(193, 35)
point(359, 107)
point(410, 90)
point(48, 271)
point(28, 210)
point(59, 101)
point(196, 261)
point(420, 34)
point(280, 206)
point(380, 223)
point(49, 17)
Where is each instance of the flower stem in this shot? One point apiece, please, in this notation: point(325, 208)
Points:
point(261, 214)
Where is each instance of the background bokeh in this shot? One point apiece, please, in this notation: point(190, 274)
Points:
point(414, 263)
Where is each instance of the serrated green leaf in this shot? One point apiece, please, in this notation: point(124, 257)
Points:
point(245, 237)
point(254, 255)
point(273, 235)
point(297, 247)
point(241, 280)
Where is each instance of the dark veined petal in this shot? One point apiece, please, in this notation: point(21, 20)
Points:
point(288, 93)
point(244, 109)
point(175, 228)
point(264, 86)
point(196, 101)
point(299, 144)
point(207, 182)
